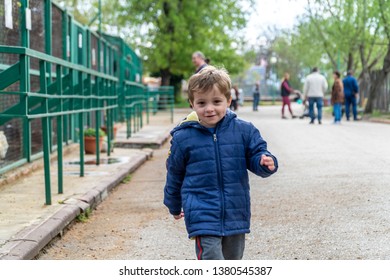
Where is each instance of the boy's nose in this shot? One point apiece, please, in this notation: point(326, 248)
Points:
point(210, 108)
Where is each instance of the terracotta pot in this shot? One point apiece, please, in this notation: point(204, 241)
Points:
point(115, 130)
point(90, 144)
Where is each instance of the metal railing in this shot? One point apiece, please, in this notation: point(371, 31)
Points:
point(140, 99)
point(86, 80)
point(75, 91)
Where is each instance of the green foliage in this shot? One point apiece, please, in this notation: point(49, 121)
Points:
point(84, 216)
point(127, 179)
point(333, 34)
point(182, 103)
point(350, 32)
point(168, 32)
point(83, 11)
point(91, 132)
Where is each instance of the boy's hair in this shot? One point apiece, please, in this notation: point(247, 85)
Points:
point(206, 79)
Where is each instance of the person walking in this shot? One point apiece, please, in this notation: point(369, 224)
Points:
point(337, 98)
point(314, 89)
point(286, 90)
point(199, 61)
point(351, 92)
point(235, 96)
point(256, 97)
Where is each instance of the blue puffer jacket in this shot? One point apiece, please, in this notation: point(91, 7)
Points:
point(208, 178)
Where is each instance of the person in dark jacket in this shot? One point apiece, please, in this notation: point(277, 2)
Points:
point(351, 92)
point(207, 178)
point(286, 90)
point(337, 97)
point(256, 97)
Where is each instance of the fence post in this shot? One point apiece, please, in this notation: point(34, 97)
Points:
point(81, 124)
point(25, 80)
point(59, 130)
point(45, 132)
point(146, 92)
point(48, 50)
point(97, 123)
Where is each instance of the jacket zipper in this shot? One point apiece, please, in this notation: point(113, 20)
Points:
point(220, 180)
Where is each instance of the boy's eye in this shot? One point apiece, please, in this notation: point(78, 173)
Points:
point(200, 103)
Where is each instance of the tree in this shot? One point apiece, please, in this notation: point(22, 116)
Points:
point(378, 80)
point(356, 31)
point(296, 55)
point(166, 33)
point(83, 11)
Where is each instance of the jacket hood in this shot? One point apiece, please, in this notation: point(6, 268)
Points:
point(192, 120)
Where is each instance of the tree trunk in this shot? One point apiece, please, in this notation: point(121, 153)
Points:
point(350, 62)
point(165, 81)
point(364, 77)
point(377, 82)
point(364, 85)
point(165, 77)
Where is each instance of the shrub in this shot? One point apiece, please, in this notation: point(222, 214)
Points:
point(91, 132)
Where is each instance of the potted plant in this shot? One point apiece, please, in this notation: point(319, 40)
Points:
point(115, 129)
point(90, 140)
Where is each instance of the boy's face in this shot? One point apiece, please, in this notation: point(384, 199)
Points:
point(210, 107)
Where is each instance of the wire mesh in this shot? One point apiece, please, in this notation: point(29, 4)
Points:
point(57, 36)
point(9, 37)
point(10, 142)
point(36, 136)
point(37, 33)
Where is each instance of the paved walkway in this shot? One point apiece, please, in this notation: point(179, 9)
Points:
point(329, 200)
point(27, 225)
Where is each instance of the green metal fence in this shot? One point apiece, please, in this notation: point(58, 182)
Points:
point(58, 77)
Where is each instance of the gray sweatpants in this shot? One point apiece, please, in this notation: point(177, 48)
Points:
point(220, 247)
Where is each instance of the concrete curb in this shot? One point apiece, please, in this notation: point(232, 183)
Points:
point(29, 242)
point(142, 145)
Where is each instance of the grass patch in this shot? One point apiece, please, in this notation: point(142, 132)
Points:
point(83, 217)
point(127, 179)
point(328, 110)
point(380, 115)
point(183, 103)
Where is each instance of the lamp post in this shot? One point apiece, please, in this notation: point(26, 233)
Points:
point(262, 44)
point(273, 61)
point(262, 77)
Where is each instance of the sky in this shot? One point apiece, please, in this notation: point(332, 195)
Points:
point(281, 13)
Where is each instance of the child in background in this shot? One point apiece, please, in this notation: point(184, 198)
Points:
point(337, 98)
point(207, 177)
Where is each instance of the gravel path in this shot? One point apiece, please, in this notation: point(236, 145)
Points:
point(329, 200)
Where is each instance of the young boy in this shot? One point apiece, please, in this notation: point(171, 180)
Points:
point(207, 169)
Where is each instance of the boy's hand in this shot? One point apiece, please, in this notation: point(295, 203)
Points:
point(267, 161)
point(178, 217)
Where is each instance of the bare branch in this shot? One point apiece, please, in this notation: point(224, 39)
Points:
point(321, 33)
point(375, 35)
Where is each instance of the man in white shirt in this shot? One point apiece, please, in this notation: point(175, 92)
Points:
point(315, 89)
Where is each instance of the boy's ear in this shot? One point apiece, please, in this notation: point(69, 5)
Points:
point(229, 101)
point(191, 103)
